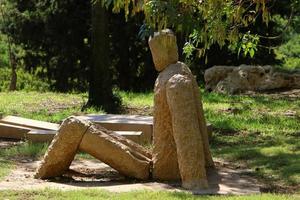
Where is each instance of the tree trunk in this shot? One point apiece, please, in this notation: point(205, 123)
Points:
point(13, 64)
point(126, 76)
point(100, 82)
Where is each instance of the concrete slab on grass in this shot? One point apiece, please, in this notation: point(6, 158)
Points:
point(12, 131)
point(29, 123)
point(40, 135)
point(135, 136)
point(138, 123)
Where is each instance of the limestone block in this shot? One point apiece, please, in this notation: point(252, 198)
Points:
point(214, 75)
point(63, 148)
point(164, 49)
point(228, 79)
point(108, 148)
point(186, 132)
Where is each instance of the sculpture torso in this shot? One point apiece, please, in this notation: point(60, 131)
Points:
point(165, 156)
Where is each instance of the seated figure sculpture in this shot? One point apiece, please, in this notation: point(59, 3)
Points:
point(181, 148)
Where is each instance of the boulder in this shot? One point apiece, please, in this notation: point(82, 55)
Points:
point(229, 79)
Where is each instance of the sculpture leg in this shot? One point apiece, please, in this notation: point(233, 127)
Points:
point(98, 143)
point(63, 148)
point(189, 143)
point(121, 154)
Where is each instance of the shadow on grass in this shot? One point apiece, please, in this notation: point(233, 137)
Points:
point(269, 161)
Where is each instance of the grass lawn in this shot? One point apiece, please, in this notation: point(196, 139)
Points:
point(98, 194)
point(48, 106)
point(259, 132)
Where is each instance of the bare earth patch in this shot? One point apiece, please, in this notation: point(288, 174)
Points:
point(87, 174)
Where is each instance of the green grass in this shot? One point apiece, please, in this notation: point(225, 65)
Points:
point(137, 99)
point(48, 106)
point(251, 130)
point(24, 150)
point(256, 130)
point(98, 194)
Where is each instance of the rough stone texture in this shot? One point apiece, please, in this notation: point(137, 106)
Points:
point(63, 148)
point(214, 75)
point(228, 79)
point(110, 149)
point(164, 49)
point(134, 146)
point(189, 142)
point(125, 156)
point(178, 125)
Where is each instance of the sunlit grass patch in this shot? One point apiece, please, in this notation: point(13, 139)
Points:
point(48, 106)
point(153, 195)
point(137, 99)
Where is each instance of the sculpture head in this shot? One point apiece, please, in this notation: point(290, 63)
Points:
point(163, 46)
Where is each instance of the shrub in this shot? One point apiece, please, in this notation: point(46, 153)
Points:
point(26, 81)
point(289, 53)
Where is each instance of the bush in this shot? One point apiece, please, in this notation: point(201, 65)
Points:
point(289, 53)
point(26, 81)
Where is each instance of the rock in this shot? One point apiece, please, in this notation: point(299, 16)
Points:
point(178, 122)
point(164, 49)
point(63, 148)
point(111, 150)
point(228, 79)
point(214, 75)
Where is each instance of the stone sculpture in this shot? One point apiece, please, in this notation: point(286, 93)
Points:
point(181, 148)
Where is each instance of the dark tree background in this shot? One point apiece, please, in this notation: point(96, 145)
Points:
point(75, 46)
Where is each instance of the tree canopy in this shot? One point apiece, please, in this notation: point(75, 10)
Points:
point(204, 22)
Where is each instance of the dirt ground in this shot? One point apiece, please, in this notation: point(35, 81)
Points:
point(90, 173)
point(83, 174)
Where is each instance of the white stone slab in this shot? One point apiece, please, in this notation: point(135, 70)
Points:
point(125, 119)
point(125, 123)
point(12, 131)
point(29, 123)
